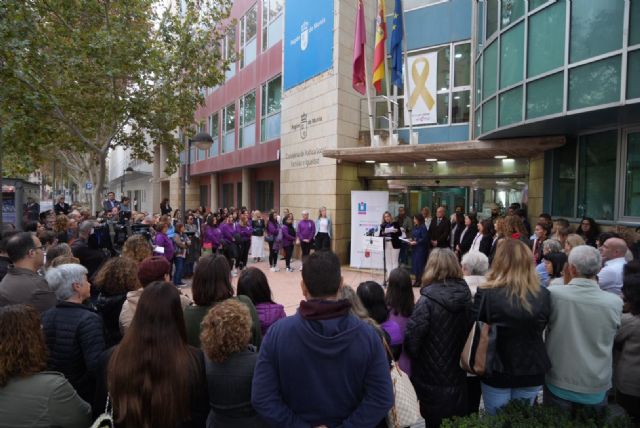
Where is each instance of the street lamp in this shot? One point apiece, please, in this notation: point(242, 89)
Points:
point(203, 141)
point(124, 174)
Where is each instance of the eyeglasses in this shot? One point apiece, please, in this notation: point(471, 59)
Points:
point(41, 248)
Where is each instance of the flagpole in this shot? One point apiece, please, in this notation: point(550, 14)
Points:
point(406, 73)
point(386, 81)
point(367, 88)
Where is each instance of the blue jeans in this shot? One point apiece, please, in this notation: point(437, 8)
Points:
point(495, 398)
point(177, 274)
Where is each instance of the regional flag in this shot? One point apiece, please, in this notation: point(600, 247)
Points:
point(379, 52)
point(359, 76)
point(396, 45)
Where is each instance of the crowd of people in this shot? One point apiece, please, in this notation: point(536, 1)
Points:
point(84, 331)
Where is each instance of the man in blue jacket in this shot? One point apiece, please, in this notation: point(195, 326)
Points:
point(322, 366)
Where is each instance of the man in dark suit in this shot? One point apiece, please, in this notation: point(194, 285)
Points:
point(110, 203)
point(440, 229)
point(61, 207)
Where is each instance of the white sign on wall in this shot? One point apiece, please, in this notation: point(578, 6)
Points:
point(422, 76)
point(367, 208)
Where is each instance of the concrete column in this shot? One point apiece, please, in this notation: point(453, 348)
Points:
point(156, 185)
point(246, 188)
point(213, 191)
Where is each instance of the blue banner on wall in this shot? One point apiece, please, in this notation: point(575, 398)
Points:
point(308, 40)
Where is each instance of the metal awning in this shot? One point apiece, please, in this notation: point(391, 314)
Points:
point(463, 150)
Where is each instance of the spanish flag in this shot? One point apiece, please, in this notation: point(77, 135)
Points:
point(379, 56)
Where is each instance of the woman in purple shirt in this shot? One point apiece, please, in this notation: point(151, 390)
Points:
point(400, 301)
point(306, 232)
point(272, 234)
point(253, 284)
point(212, 239)
point(288, 239)
point(162, 241)
point(229, 247)
point(242, 236)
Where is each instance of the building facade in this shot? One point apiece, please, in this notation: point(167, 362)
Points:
point(243, 117)
point(132, 178)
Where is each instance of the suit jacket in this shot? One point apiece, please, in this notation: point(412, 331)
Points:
point(485, 244)
point(440, 232)
point(467, 239)
point(107, 206)
point(62, 209)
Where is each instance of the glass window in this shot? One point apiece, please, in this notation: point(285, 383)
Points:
point(214, 131)
point(229, 50)
point(511, 106)
point(248, 120)
point(546, 39)
point(264, 195)
point(414, 4)
point(536, 3)
point(595, 83)
point(480, 27)
point(271, 95)
point(564, 180)
point(512, 56)
point(229, 128)
point(596, 28)
point(492, 17)
point(478, 120)
point(634, 23)
point(633, 75)
point(544, 96)
point(511, 10)
point(444, 61)
point(462, 65)
point(443, 108)
point(489, 116)
point(272, 22)
point(460, 107)
point(596, 177)
point(490, 70)
point(478, 87)
point(248, 32)
point(632, 184)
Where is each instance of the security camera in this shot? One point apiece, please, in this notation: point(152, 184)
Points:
point(437, 181)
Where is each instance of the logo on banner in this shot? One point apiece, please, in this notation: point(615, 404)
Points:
point(362, 208)
point(304, 36)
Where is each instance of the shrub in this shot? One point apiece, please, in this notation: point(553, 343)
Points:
point(519, 414)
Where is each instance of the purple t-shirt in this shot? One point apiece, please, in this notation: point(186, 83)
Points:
point(269, 313)
point(306, 229)
point(404, 361)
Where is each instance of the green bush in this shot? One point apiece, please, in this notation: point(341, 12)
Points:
point(519, 414)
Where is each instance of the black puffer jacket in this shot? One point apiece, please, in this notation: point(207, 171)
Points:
point(75, 340)
point(110, 306)
point(435, 336)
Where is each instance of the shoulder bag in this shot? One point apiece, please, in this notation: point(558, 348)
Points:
point(105, 420)
point(479, 350)
point(406, 407)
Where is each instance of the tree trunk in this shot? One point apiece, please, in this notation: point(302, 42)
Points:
point(96, 203)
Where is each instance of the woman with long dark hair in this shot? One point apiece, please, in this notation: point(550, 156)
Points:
point(371, 295)
point(420, 244)
point(288, 240)
point(211, 284)
point(273, 227)
point(253, 283)
point(400, 302)
point(153, 377)
point(589, 230)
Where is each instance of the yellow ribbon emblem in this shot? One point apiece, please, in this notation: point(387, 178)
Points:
point(420, 81)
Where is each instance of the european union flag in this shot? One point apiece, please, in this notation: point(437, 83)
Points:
point(396, 44)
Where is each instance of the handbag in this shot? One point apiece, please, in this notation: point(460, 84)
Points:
point(406, 407)
point(479, 350)
point(105, 420)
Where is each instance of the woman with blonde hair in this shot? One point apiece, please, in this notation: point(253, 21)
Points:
point(435, 335)
point(513, 302)
point(257, 236)
point(137, 248)
point(573, 240)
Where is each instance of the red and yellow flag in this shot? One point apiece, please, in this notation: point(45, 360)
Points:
point(379, 52)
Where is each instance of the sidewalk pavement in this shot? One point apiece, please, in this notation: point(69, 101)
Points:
point(285, 286)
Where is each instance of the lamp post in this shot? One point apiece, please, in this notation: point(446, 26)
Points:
point(124, 174)
point(203, 141)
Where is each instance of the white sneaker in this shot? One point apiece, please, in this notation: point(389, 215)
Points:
point(276, 269)
point(272, 269)
point(300, 268)
point(289, 270)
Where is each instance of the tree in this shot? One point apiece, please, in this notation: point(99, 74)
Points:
point(85, 76)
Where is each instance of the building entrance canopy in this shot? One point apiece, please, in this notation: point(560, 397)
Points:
point(464, 150)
